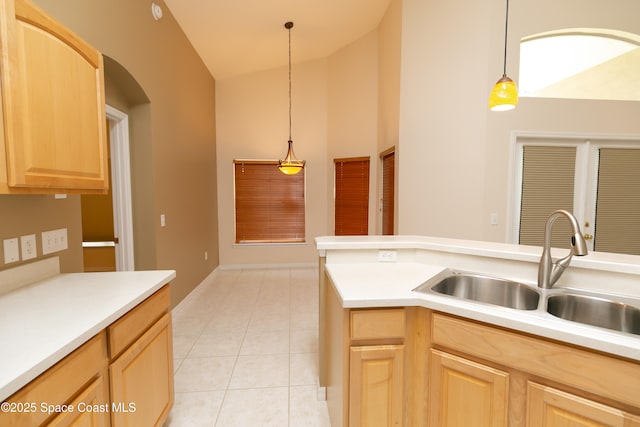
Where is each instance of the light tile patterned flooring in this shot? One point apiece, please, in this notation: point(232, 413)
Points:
point(246, 351)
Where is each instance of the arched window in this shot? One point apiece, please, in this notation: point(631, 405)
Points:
point(581, 64)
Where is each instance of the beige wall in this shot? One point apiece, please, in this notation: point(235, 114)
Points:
point(343, 106)
point(353, 115)
point(389, 60)
point(253, 123)
point(172, 137)
point(455, 156)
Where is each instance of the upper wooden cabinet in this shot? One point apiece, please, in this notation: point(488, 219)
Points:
point(53, 106)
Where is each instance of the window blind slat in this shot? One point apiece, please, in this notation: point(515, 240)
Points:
point(618, 205)
point(352, 196)
point(547, 184)
point(269, 204)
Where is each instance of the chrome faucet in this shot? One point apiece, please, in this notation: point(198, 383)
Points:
point(549, 271)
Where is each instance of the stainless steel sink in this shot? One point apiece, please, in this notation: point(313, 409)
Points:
point(595, 311)
point(484, 289)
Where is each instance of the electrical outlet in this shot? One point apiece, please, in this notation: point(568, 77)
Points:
point(54, 241)
point(28, 246)
point(11, 253)
point(387, 256)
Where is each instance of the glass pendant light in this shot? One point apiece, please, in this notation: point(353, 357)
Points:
point(290, 165)
point(504, 95)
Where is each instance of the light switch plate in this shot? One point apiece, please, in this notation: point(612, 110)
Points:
point(54, 241)
point(11, 253)
point(28, 247)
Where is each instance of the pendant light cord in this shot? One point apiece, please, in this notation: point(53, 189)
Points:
point(506, 28)
point(288, 26)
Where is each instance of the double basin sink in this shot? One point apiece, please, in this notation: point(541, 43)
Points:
point(608, 312)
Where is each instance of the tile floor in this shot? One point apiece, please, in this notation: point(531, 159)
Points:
point(246, 351)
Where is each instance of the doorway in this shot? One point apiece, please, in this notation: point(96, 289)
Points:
point(387, 192)
point(107, 224)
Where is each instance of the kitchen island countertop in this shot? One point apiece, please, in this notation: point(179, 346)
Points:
point(364, 278)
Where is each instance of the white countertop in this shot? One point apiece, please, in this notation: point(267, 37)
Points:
point(362, 281)
point(43, 322)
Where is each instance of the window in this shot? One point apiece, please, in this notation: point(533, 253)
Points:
point(269, 204)
point(597, 179)
point(352, 196)
point(580, 63)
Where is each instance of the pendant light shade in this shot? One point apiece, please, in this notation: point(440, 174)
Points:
point(504, 95)
point(290, 165)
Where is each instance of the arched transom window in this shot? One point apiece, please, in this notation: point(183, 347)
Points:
point(581, 64)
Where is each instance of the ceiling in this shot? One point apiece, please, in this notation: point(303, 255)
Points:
point(243, 36)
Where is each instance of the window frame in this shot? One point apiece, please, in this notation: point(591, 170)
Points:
point(586, 173)
point(272, 241)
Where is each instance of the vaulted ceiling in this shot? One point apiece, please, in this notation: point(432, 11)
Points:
point(244, 36)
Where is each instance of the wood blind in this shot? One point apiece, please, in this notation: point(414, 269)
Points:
point(269, 204)
point(352, 196)
point(618, 205)
point(388, 191)
point(547, 184)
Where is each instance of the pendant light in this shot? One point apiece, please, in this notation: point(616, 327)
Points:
point(290, 165)
point(504, 95)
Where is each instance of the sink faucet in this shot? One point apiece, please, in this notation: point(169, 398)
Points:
point(549, 271)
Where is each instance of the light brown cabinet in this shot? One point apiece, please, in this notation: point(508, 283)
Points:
point(367, 365)
point(376, 385)
point(538, 382)
point(123, 376)
point(446, 371)
point(52, 117)
point(60, 395)
point(466, 393)
point(550, 407)
point(141, 371)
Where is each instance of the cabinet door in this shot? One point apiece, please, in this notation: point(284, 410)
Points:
point(142, 379)
point(550, 407)
point(466, 394)
point(91, 408)
point(53, 102)
point(376, 386)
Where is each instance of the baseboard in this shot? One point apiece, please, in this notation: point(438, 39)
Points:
point(268, 266)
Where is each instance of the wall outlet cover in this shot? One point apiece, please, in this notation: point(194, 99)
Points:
point(28, 246)
point(11, 253)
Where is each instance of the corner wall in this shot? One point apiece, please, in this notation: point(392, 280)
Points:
point(180, 180)
point(455, 157)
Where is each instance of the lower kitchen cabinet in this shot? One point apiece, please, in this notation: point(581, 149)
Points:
point(141, 369)
point(376, 385)
point(92, 397)
point(410, 366)
point(550, 407)
point(541, 383)
point(366, 365)
point(123, 376)
point(66, 393)
point(464, 393)
point(141, 389)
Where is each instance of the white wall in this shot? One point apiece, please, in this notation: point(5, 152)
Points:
point(455, 154)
